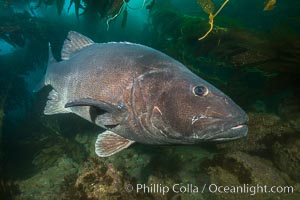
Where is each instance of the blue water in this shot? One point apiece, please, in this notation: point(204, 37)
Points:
point(252, 55)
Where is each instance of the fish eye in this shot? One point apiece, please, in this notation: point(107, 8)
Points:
point(200, 91)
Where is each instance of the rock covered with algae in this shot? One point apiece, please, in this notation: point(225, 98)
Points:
point(49, 183)
point(100, 180)
point(275, 136)
point(288, 157)
point(269, 155)
point(264, 130)
point(107, 178)
point(54, 147)
point(241, 169)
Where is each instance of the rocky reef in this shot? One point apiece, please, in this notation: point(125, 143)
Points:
point(100, 180)
point(242, 169)
point(269, 156)
point(52, 157)
point(49, 183)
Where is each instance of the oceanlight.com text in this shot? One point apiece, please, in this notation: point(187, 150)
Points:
point(211, 188)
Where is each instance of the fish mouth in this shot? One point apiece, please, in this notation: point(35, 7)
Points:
point(226, 129)
point(232, 133)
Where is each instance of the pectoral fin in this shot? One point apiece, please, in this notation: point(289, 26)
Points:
point(102, 113)
point(96, 103)
point(109, 143)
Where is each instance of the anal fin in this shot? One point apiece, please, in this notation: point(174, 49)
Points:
point(109, 143)
point(54, 105)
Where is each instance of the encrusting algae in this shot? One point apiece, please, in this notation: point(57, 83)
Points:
point(254, 59)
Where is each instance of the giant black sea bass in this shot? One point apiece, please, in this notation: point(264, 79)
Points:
point(138, 94)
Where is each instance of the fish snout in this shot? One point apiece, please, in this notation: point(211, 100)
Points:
point(228, 110)
point(222, 121)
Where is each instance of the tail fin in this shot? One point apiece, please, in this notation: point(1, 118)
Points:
point(51, 60)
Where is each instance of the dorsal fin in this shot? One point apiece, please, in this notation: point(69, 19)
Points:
point(74, 42)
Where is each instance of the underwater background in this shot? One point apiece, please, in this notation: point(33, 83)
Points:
point(252, 54)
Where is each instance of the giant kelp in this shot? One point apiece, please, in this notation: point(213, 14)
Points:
point(232, 49)
point(258, 68)
point(208, 7)
point(11, 27)
point(270, 5)
point(96, 10)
